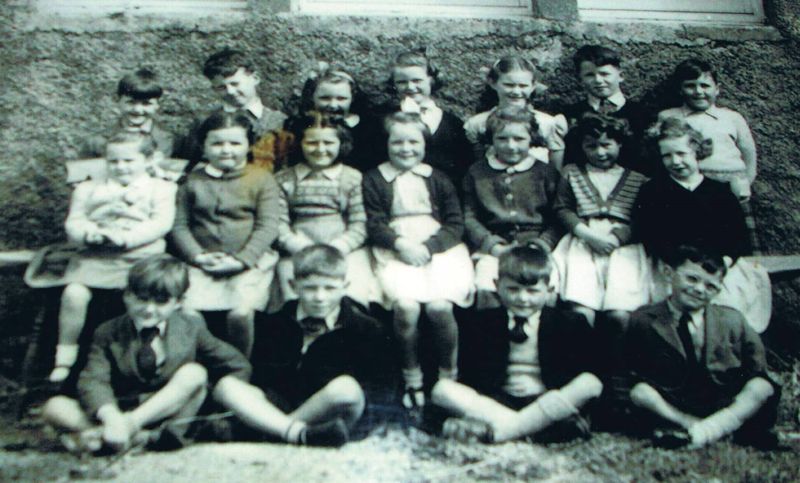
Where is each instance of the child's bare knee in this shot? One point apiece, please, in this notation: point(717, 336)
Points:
point(76, 294)
point(589, 383)
point(441, 390)
point(56, 407)
point(641, 393)
point(192, 374)
point(346, 390)
point(438, 309)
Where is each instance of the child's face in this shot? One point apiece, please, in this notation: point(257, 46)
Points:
point(319, 295)
point(125, 163)
point(406, 146)
point(226, 148)
point(137, 112)
point(237, 90)
point(514, 88)
point(679, 157)
point(521, 299)
point(693, 287)
point(149, 313)
point(701, 93)
point(601, 152)
point(512, 142)
point(320, 147)
point(333, 98)
point(412, 81)
point(600, 81)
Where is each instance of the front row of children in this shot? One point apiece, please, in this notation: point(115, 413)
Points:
point(697, 370)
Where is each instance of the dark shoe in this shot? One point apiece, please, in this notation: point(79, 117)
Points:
point(468, 430)
point(331, 434)
point(671, 438)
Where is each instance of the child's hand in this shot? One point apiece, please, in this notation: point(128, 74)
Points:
point(117, 431)
point(602, 243)
point(412, 253)
point(226, 265)
point(94, 238)
point(740, 187)
point(499, 249)
point(204, 260)
point(113, 239)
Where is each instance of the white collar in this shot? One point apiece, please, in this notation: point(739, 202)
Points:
point(531, 327)
point(390, 172)
point(713, 111)
point(689, 186)
point(215, 172)
point(330, 320)
point(161, 326)
point(303, 171)
point(500, 165)
point(696, 315)
point(617, 100)
point(351, 120)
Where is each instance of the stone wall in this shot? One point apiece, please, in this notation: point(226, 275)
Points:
point(58, 80)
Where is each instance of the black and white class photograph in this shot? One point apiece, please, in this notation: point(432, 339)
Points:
point(435, 241)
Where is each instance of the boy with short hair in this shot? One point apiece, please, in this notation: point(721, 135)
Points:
point(524, 366)
point(310, 356)
point(144, 367)
point(599, 72)
point(698, 366)
point(138, 95)
point(235, 81)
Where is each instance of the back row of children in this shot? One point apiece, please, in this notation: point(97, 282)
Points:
point(233, 220)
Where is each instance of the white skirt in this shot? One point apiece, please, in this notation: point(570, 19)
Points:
point(619, 281)
point(448, 276)
point(247, 290)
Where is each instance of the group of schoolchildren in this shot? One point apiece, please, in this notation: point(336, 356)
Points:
point(556, 272)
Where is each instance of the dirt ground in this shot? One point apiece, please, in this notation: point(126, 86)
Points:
point(393, 453)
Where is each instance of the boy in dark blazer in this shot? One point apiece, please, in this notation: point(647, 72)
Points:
point(700, 367)
point(145, 367)
point(524, 366)
point(311, 357)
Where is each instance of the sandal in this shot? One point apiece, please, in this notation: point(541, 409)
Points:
point(413, 398)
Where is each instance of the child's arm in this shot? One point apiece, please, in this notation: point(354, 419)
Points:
point(747, 146)
point(288, 239)
point(265, 226)
point(181, 234)
point(356, 218)
point(477, 233)
point(160, 223)
point(446, 198)
point(376, 203)
point(80, 229)
point(565, 207)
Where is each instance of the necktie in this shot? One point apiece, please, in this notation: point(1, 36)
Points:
point(146, 356)
point(313, 325)
point(517, 332)
point(605, 107)
point(686, 338)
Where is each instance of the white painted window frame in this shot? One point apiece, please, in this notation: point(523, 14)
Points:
point(96, 8)
point(427, 8)
point(683, 11)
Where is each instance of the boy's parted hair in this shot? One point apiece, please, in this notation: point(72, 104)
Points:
point(675, 127)
point(319, 259)
point(140, 85)
point(526, 265)
point(710, 262)
point(145, 143)
point(416, 58)
point(500, 118)
point(226, 62)
point(691, 69)
point(411, 118)
point(594, 125)
point(597, 55)
point(158, 278)
point(315, 119)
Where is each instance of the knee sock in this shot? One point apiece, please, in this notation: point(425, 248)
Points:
point(413, 377)
point(714, 427)
point(551, 407)
point(66, 355)
point(448, 373)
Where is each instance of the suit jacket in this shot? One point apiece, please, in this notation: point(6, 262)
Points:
point(111, 372)
point(564, 345)
point(732, 353)
point(352, 348)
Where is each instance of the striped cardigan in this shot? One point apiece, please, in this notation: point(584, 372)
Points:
point(577, 199)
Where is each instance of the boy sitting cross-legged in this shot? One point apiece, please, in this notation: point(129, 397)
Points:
point(524, 366)
point(699, 367)
point(147, 366)
point(310, 356)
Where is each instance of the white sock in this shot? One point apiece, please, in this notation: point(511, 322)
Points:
point(555, 406)
point(448, 373)
point(66, 355)
point(413, 377)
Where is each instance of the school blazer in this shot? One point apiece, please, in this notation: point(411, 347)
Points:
point(732, 354)
point(356, 347)
point(564, 344)
point(111, 372)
